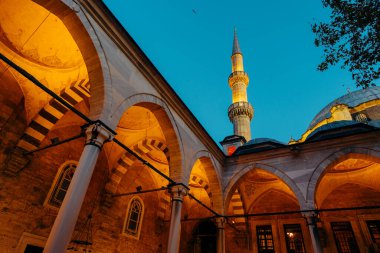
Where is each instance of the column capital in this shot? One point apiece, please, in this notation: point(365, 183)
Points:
point(178, 192)
point(311, 218)
point(97, 134)
point(220, 221)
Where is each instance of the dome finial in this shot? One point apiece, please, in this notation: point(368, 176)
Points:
point(235, 46)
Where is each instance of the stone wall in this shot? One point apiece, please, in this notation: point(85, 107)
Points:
point(22, 200)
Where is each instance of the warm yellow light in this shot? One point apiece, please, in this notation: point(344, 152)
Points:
point(40, 43)
point(239, 92)
point(237, 62)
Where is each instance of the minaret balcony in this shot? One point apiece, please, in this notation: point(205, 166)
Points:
point(239, 109)
point(238, 76)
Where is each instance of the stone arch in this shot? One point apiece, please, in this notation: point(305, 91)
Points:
point(214, 187)
point(79, 26)
point(203, 183)
point(127, 160)
point(333, 159)
point(74, 18)
point(49, 115)
point(167, 123)
point(228, 191)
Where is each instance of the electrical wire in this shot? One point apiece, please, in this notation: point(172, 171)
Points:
point(31, 78)
point(171, 181)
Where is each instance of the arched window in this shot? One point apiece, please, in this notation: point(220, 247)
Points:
point(133, 218)
point(61, 184)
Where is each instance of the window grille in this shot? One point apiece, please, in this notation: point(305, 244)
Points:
point(374, 229)
point(133, 219)
point(61, 185)
point(265, 239)
point(294, 239)
point(344, 237)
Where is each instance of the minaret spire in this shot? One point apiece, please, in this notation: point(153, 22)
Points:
point(240, 111)
point(235, 45)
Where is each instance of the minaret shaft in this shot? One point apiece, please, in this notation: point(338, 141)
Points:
point(237, 62)
point(240, 111)
point(239, 92)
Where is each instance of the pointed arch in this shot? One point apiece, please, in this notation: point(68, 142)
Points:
point(76, 20)
point(213, 174)
point(228, 190)
point(51, 113)
point(133, 218)
point(167, 123)
point(333, 159)
point(125, 162)
point(60, 184)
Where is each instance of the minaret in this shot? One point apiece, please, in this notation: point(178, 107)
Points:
point(240, 111)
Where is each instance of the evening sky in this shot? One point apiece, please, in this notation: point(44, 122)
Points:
point(190, 43)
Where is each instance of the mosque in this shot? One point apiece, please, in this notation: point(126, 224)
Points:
point(99, 154)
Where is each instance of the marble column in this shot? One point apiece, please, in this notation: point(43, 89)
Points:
point(177, 192)
point(64, 224)
point(311, 219)
point(220, 237)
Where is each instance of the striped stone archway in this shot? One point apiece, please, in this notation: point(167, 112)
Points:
point(75, 18)
point(167, 123)
point(199, 180)
point(125, 162)
point(48, 116)
point(212, 185)
point(276, 172)
point(234, 197)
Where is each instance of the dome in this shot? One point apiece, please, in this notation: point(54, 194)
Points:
point(352, 99)
point(258, 145)
point(262, 140)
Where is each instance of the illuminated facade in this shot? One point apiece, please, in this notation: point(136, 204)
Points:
point(115, 162)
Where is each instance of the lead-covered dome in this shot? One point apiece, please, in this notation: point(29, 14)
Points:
point(361, 106)
point(351, 100)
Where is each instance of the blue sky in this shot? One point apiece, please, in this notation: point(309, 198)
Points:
point(190, 43)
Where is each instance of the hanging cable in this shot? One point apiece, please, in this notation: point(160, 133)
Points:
point(144, 161)
point(54, 144)
point(303, 211)
point(31, 78)
point(139, 192)
point(172, 182)
point(43, 87)
point(204, 205)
